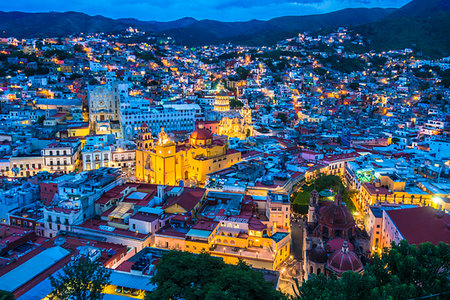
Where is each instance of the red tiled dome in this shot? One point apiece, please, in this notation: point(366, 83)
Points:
point(344, 260)
point(336, 217)
point(201, 134)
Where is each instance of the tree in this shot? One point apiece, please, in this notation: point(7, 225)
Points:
point(395, 140)
point(354, 85)
point(81, 279)
point(5, 295)
point(40, 120)
point(283, 117)
point(236, 103)
point(402, 272)
point(333, 182)
point(183, 275)
point(78, 48)
point(243, 73)
point(93, 81)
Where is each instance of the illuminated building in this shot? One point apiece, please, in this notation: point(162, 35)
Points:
point(237, 127)
point(136, 111)
point(222, 102)
point(233, 227)
point(61, 157)
point(332, 243)
point(104, 108)
point(166, 162)
point(390, 188)
point(234, 128)
point(389, 223)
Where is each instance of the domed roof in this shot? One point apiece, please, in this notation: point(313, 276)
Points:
point(336, 216)
point(201, 134)
point(344, 260)
point(318, 255)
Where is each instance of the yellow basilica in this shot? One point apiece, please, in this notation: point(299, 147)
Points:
point(165, 162)
point(237, 127)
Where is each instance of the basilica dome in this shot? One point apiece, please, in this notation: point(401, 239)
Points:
point(344, 260)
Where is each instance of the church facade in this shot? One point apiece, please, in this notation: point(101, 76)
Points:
point(166, 162)
point(104, 108)
point(332, 244)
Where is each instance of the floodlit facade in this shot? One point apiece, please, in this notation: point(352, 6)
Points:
point(165, 162)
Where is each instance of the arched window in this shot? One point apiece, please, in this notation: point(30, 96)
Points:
point(318, 271)
point(311, 271)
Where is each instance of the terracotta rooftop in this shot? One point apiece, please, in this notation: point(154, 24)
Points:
point(428, 226)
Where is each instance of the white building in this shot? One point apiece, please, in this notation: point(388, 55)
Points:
point(104, 107)
point(74, 202)
point(61, 157)
point(104, 151)
point(15, 197)
point(172, 117)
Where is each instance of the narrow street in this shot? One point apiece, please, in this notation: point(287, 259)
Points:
point(291, 268)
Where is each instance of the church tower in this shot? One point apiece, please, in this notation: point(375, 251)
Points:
point(313, 203)
point(246, 114)
point(222, 102)
point(145, 139)
point(165, 160)
point(144, 165)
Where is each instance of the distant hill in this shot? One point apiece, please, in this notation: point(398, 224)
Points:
point(421, 8)
point(53, 24)
point(255, 32)
point(188, 31)
point(421, 25)
point(159, 26)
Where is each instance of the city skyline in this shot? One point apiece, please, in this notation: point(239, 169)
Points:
point(303, 157)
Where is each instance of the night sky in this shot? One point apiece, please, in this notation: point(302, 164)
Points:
point(165, 10)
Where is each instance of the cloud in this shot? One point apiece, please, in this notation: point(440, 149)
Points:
point(227, 10)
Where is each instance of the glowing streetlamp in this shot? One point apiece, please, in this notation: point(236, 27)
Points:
point(437, 200)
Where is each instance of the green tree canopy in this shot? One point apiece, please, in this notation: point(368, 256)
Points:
point(301, 201)
point(283, 117)
point(81, 279)
point(402, 272)
point(242, 73)
point(78, 48)
point(236, 103)
point(183, 275)
point(5, 295)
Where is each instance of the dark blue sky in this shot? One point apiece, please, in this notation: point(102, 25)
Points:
point(164, 10)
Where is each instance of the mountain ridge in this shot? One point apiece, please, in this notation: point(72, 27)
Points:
point(25, 25)
point(420, 24)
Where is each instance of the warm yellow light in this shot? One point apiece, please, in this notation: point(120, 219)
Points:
point(437, 200)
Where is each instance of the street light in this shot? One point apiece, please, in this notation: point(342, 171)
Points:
point(437, 200)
